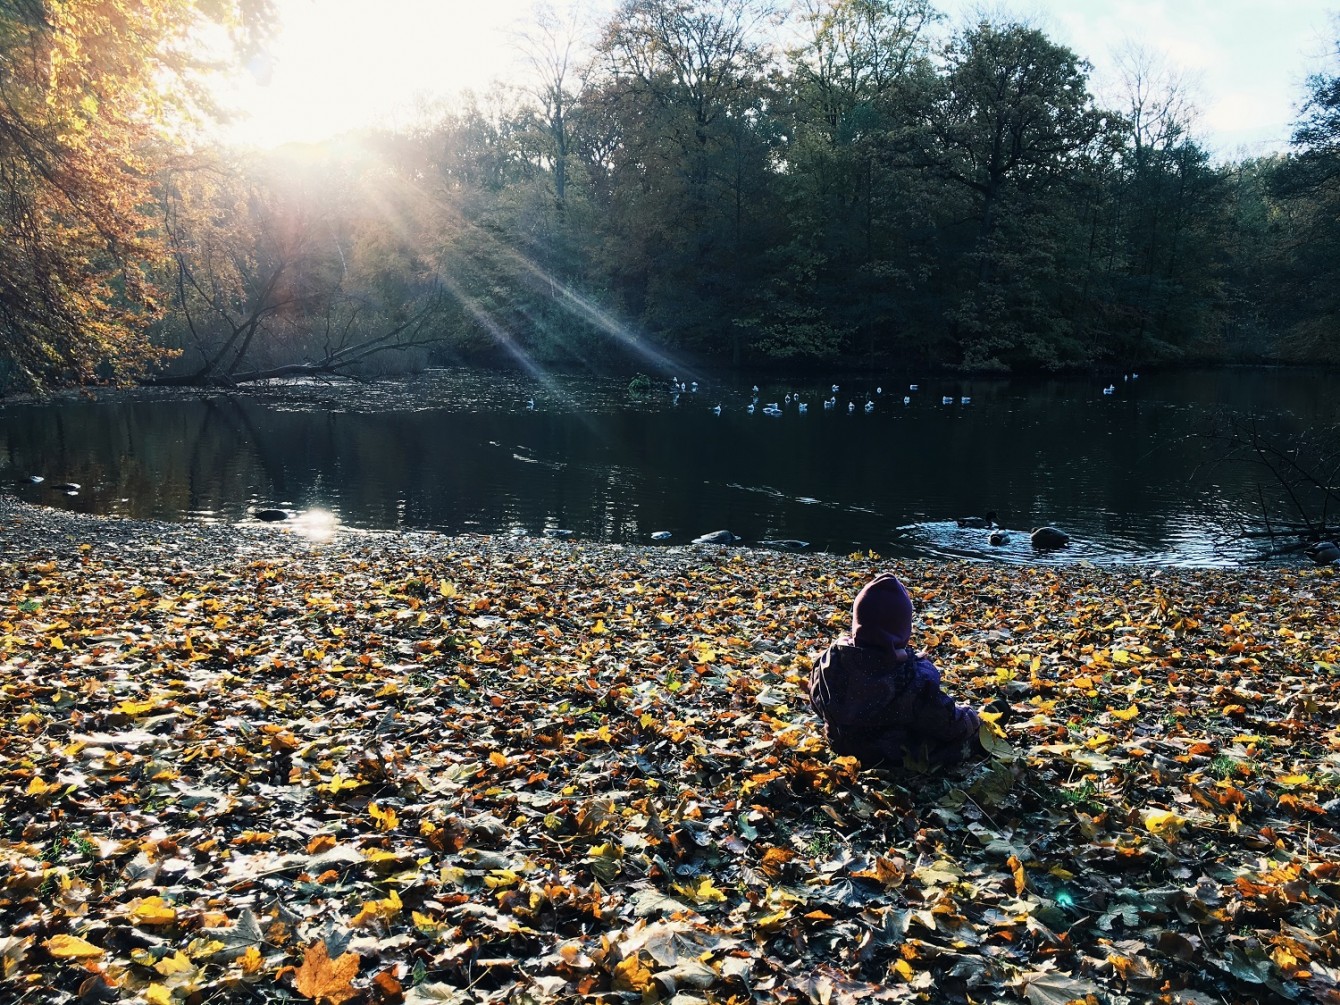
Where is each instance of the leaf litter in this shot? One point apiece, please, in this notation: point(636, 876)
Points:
point(244, 766)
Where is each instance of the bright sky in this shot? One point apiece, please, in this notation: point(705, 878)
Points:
point(341, 64)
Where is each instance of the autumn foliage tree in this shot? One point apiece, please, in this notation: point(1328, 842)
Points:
point(89, 90)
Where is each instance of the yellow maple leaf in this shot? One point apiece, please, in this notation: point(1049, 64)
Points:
point(1126, 714)
point(29, 720)
point(374, 909)
point(71, 947)
point(133, 708)
point(177, 965)
point(153, 911)
point(427, 925)
point(1163, 823)
point(338, 783)
point(37, 787)
point(323, 979)
point(158, 994)
point(631, 975)
point(251, 960)
point(705, 892)
point(386, 818)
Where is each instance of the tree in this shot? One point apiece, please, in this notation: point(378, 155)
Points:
point(87, 90)
point(855, 209)
point(290, 269)
point(1307, 188)
point(684, 80)
point(1011, 123)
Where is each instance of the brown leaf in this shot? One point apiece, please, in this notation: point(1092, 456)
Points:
point(324, 979)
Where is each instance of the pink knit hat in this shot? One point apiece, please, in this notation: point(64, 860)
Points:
point(881, 616)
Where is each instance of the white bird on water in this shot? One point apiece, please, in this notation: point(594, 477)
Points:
point(716, 410)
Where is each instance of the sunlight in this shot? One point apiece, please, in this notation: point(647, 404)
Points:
point(339, 65)
point(316, 525)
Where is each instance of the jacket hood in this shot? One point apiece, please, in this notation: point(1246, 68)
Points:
point(881, 615)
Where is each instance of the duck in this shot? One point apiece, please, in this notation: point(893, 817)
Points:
point(530, 404)
point(914, 387)
point(946, 399)
point(1323, 552)
point(907, 400)
point(802, 407)
point(851, 407)
point(965, 400)
point(986, 522)
point(869, 406)
point(717, 537)
point(717, 409)
point(661, 535)
point(1048, 538)
point(1110, 389)
point(772, 409)
point(271, 515)
point(998, 537)
point(558, 533)
point(749, 408)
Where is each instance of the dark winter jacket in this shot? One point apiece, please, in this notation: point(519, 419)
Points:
point(886, 708)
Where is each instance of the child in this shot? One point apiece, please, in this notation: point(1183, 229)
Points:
point(881, 703)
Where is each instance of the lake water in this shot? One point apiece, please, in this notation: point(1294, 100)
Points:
point(1131, 475)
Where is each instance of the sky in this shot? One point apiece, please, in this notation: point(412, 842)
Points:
point(339, 64)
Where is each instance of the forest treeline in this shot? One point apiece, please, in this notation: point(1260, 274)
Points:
point(838, 180)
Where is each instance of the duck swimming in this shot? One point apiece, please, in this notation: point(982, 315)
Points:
point(980, 522)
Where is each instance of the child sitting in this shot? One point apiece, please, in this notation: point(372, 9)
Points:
point(882, 703)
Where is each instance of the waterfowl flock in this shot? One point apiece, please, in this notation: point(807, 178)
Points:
point(775, 409)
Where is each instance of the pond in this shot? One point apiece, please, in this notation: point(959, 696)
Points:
point(1124, 465)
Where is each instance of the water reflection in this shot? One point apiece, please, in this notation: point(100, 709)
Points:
point(1129, 475)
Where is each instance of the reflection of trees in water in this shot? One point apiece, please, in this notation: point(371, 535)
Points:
point(1117, 472)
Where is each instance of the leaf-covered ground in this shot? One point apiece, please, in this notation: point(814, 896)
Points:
point(240, 765)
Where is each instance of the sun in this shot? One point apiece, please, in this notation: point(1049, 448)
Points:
point(337, 65)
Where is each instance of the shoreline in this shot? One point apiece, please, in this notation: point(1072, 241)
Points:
point(25, 524)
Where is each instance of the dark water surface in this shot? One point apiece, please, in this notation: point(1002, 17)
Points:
point(1130, 475)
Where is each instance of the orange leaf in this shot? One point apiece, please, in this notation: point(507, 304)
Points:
point(324, 979)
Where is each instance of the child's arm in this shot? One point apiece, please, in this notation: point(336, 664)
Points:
point(935, 716)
